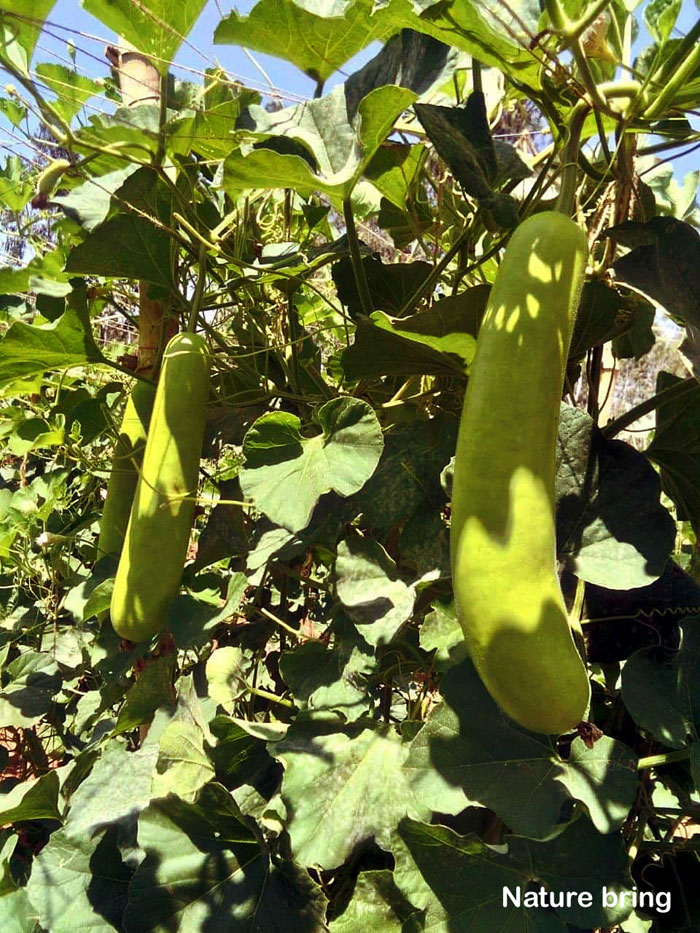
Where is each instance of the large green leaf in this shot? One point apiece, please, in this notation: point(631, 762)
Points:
point(286, 473)
point(342, 144)
point(34, 681)
point(118, 786)
point(31, 800)
point(72, 89)
point(23, 19)
point(134, 242)
point(611, 527)
point(318, 37)
point(469, 752)
point(182, 766)
point(206, 870)
point(379, 906)
point(18, 914)
point(407, 480)
point(675, 447)
point(15, 190)
point(461, 881)
point(661, 691)
point(488, 31)
point(80, 884)
point(156, 27)
point(89, 203)
point(441, 340)
point(371, 590)
point(330, 679)
point(128, 246)
point(27, 349)
point(341, 790)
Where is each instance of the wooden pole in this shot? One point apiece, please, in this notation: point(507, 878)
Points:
point(139, 83)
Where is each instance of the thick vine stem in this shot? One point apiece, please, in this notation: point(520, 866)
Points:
point(558, 17)
point(573, 30)
point(569, 175)
point(669, 85)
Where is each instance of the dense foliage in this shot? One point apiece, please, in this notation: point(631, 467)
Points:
point(306, 745)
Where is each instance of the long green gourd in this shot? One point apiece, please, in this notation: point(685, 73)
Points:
point(126, 462)
point(153, 557)
point(507, 592)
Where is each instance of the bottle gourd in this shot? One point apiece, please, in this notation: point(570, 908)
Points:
point(153, 557)
point(126, 462)
point(502, 537)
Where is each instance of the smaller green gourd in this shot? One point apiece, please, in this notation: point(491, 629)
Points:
point(126, 462)
point(153, 557)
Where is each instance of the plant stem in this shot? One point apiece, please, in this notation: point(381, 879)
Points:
point(653, 761)
point(684, 59)
point(199, 289)
point(591, 14)
point(267, 695)
point(671, 394)
point(569, 175)
point(669, 89)
point(356, 258)
point(430, 281)
point(556, 14)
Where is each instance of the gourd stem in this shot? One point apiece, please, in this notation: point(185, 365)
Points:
point(557, 16)
point(199, 289)
point(569, 159)
point(356, 258)
point(476, 75)
point(653, 761)
point(663, 79)
point(592, 13)
point(670, 394)
point(597, 99)
point(669, 88)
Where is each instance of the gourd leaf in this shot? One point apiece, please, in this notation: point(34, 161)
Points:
point(204, 866)
point(118, 786)
point(25, 19)
point(286, 473)
point(341, 789)
point(31, 800)
point(611, 527)
point(14, 191)
point(28, 349)
point(378, 905)
point(72, 89)
point(675, 448)
point(79, 883)
point(406, 482)
point(390, 284)
point(394, 170)
point(459, 880)
point(661, 690)
point(469, 752)
point(342, 144)
point(334, 679)
point(34, 681)
point(157, 29)
point(317, 37)
point(369, 587)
